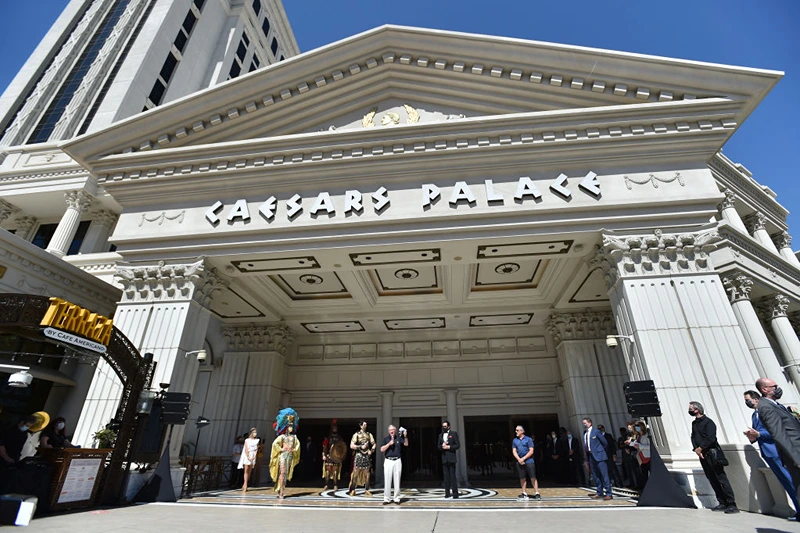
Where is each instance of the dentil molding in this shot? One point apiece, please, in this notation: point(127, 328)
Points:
point(164, 282)
point(580, 326)
point(276, 337)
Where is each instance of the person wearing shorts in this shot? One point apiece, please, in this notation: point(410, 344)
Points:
point(522, 448)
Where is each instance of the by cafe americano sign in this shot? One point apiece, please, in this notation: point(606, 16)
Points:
point(354, 200)
point(66, 322)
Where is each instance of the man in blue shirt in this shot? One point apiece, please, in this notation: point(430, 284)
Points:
point(769, 450)
point(522, 448)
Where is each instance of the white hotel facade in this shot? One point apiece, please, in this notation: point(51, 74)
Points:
point(407, 224)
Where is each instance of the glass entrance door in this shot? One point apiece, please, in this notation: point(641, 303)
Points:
point(421, 460)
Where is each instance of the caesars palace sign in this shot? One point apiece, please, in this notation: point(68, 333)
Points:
point(354, 200)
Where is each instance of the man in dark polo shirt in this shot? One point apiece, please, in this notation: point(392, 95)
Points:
point(522, 448)
point(392, 464)
point(12, 439)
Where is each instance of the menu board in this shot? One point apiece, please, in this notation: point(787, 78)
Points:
point(80, 480)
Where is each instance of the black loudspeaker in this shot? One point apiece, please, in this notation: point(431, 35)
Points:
point(641, 399)
point(175, 407)
point(149, 436)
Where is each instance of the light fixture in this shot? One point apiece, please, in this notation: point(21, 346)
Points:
point(19, 379)
point(202, 422)
point(145, 403)
point(611, 340)
point(201, 355)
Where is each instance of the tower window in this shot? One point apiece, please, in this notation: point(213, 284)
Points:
point(257, 7)
point(265, 26)
point(274, 46)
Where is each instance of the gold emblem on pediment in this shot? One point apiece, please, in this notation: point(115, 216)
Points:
point(390, 118)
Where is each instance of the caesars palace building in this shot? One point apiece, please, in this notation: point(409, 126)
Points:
point(403, 226)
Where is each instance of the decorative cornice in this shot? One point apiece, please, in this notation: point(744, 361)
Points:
point(7, 210)
point(730, 176)
point(32, 176)
point(738, 286)
point(741, 244)
point(730, 200)
point(164, 282)
point(656, 254)
point(782, 240)
point(80, 200)
point(772, 307)
point(580, 326)
point(104, 217)
point(276, 337)
point(755, 222)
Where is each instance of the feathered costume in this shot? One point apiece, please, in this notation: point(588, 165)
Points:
point(285, 448)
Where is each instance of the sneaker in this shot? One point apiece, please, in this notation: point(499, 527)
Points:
point(537, 496)
point(720, 507)
point(731, 509)
point(386, 502)
point(523, 496)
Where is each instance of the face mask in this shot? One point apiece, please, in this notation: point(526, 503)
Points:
point(692, 413)
point(749, 403)
point(445, 428)
point(24, 428)
point(569, 434)
point(778, 393)
point(60, 425)
point(553, 435)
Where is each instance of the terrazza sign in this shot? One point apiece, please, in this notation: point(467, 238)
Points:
point(354, 201)
point(63, 316)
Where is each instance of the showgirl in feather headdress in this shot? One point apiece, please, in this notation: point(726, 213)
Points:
point(285, 449)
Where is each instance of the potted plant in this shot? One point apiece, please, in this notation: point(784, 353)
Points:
point(105, 438)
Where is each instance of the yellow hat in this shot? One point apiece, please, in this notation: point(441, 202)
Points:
point(42, 419)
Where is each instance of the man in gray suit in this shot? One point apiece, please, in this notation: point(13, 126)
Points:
point(783, 426)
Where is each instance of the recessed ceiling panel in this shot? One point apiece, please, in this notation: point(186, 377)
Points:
point(309, 286)
point(430, 255)
point(274, 265)
point(592, 289)
point(500, 320)
point(415, 323)
point(411, 279)
point(333, 327)
point(230, 304)
point(507, 273)
point(524, 249)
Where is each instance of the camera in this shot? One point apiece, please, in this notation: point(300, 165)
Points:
point(611, 342)
point(201, 356)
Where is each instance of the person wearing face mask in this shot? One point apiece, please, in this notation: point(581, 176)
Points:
point(12, 440)
point(783, 426)
point(704, 441)
point(639, 441)
point(575, 459)
point(769, 451)
point(55, 436)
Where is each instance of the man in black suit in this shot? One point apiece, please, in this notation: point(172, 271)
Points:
point(783, 426)
point(449, 444)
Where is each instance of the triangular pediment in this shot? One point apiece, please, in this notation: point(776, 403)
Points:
point(398, 76)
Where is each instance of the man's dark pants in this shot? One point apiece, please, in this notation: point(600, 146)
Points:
point(450, 481)
point(600, 473)
point(719, 482)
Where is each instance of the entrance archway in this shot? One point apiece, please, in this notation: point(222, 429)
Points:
point(21, 314)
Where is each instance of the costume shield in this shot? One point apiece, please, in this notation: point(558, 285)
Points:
point(338, 452)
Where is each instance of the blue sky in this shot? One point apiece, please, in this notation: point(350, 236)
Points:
point(761, 34)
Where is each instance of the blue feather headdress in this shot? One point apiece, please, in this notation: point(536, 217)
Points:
point(286, 417)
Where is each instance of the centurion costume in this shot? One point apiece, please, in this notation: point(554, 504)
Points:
point(334, 451)
point(364, 445)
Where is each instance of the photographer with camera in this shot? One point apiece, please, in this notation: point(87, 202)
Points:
point(393, 464)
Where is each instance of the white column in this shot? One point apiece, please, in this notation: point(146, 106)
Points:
point(592, 374)
point(783, 241)
point(777, 307)
point(764, 357)
point(728, 210)
point(96, 239)
point(688, 341)
point(162, 312)
point(25, 226)
point(451, 397)
point(758, 228)
point(387, 397)
point(77, 203)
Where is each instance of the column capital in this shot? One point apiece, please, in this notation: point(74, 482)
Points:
point(755, 222)
point(782, 240)
point(729, 201)
point(274, 337)
point(738, 286)
point(104, 217)
point(162, 282)
point(655, 254)
point(7, 210)
point(772, 307)
point(25, 225)
point(580, 326)
point(80, 200)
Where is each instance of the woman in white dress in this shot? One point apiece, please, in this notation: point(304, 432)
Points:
point(248, 459)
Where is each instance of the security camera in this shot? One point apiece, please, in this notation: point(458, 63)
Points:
point(611, 342)
point(201, 356)
point(20, 379)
